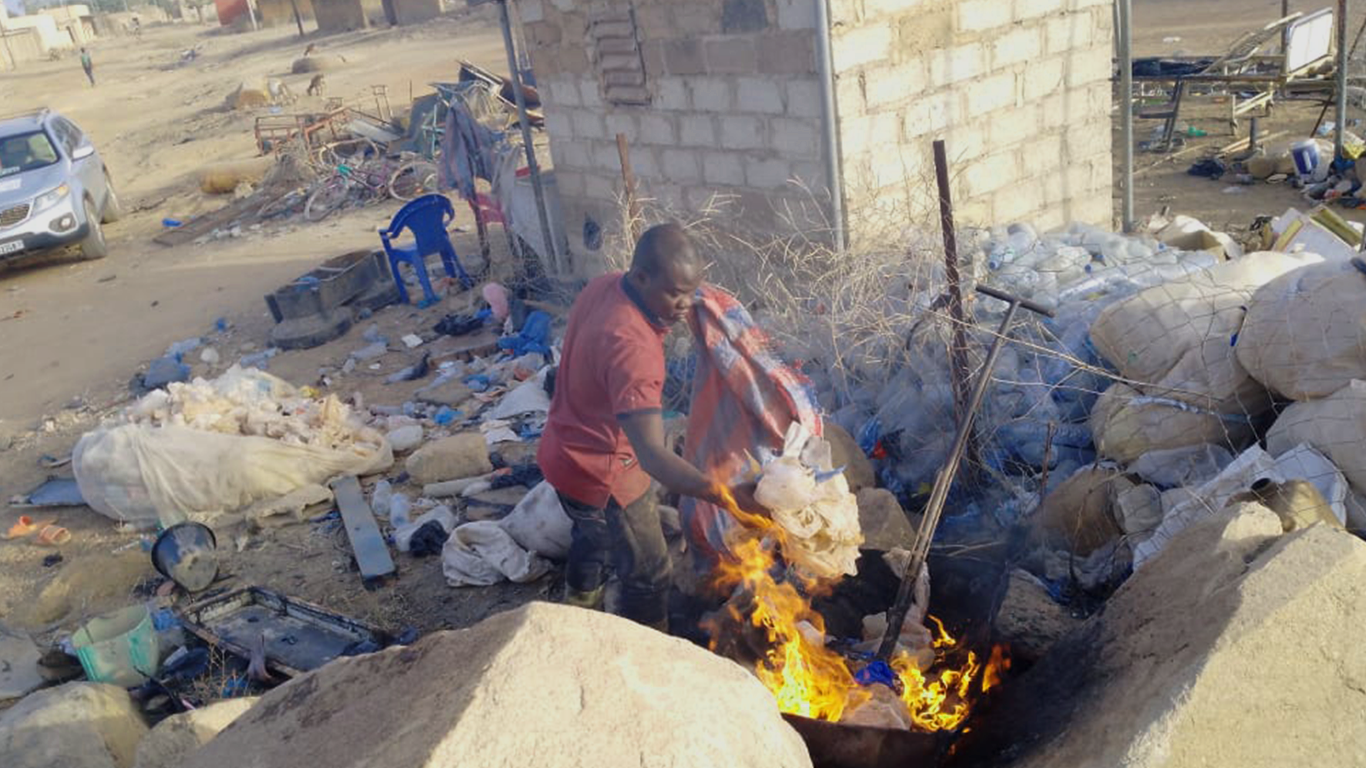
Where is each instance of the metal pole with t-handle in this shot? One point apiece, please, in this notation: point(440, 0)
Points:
point(920, 548)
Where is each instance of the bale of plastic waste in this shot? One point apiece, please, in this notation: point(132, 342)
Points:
point(208, 448)
point(1126, 424)
point(1335, 426)
point(222, 178)
point(1304, 336)
point(1176, 337)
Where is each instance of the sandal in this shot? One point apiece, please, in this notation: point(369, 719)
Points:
point(25, 526)
point(53, 536)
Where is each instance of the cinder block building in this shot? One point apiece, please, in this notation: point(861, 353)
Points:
point(725, 96)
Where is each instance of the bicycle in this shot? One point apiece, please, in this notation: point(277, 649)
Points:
point(361, 181)
point(414, 179)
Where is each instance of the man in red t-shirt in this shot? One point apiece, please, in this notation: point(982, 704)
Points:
point(604, 438)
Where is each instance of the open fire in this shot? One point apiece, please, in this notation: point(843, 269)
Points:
point(813, 681)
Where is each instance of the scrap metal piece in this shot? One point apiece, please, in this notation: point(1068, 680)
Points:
point(372, 554)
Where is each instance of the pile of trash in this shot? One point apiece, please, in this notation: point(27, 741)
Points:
point(204, 449)
point(1164, 366)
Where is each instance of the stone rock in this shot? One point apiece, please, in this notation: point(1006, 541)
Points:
point(453, 393)
point(405, 439)
point(85, 725)
point(544, 684)
point(1078, 515)
point(87, 580)
point(882, 520)
point(176, 737)
point(19, 673)
point(1029, 619)
point(451, 458)
point(1138, 509)
point(1235, 646)
point(844, 452)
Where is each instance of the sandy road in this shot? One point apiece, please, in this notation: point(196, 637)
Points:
point(77, 329)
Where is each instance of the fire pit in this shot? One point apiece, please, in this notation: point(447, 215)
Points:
point(840, 745)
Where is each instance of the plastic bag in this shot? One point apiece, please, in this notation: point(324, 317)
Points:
point(482, 553)
point(817, 511)
point(538, 523)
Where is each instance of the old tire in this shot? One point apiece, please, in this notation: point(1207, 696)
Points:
point(113, 206)
point(94, 245)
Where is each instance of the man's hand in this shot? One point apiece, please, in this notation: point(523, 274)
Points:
point(744, 499)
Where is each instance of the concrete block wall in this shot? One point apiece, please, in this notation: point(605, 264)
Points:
point(733, 109)
point(1018, 89)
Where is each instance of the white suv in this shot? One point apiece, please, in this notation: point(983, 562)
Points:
point(54, 188)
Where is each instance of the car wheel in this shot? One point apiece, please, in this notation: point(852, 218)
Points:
point(94, 245)
point(113, 206)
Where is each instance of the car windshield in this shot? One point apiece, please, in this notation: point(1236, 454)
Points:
point(24, 152)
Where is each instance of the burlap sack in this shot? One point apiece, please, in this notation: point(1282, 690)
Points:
point(1126, 424)
point(1334, 426)
point(1304, 332)
point(1178, 337)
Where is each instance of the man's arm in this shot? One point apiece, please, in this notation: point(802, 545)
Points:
point(645, 430)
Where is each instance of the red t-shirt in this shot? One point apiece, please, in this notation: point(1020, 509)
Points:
point(612, 364)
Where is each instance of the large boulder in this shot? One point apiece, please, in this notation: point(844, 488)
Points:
point(883, 521)
point(1029, 619)
point(77, 725)
point(1079, 516)
point(845, 452)
point(19, 673)
point(542, 685)
point(176, 737)
point(1235, 646)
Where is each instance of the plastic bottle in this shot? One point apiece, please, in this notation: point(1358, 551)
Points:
point(381, 498)
point(400, 510)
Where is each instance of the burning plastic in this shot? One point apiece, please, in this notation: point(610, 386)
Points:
point(808, 678)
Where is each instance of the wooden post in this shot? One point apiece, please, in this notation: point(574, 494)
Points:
point(629, 179)
point(958, 346)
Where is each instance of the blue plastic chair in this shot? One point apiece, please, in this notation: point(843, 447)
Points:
point(426, 217)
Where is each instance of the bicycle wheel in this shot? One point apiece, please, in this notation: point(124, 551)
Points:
point(413, 180)
point(326, 198)
point(283, 205)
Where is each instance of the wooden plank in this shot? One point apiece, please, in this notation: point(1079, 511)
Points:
point(372, 554)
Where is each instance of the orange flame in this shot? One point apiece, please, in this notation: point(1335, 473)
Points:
point(809, 679)
point(998, 663)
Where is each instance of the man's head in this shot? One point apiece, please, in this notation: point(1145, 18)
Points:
point(666, 271)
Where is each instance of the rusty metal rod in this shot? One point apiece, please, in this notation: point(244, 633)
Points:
point(958, 350)
point(628, 177)
point(929, 522)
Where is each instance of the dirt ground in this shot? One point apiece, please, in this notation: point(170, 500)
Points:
point(1209, 27)
point(75, 332)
